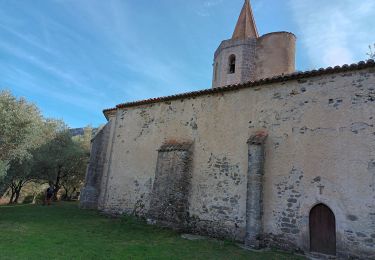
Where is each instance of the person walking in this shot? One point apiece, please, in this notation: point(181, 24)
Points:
point(49, 195)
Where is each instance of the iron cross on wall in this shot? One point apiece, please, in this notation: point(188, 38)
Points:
point(321, 188)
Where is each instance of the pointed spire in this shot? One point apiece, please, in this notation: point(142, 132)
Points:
point(246, 27)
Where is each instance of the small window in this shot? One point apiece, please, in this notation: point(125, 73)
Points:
point(232, 64)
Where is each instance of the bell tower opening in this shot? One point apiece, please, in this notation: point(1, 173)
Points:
point(232, 64)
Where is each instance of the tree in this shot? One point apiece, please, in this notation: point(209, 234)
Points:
point(73, 181)
point(20, 129)
point(371, 52)
point(85, 139)
point(77, 170)
point(36, 149)
point(21, 172)
point(62, 161)
point(17, 176)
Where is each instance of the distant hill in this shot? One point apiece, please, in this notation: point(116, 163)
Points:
point(76, 131)
point(80, 131)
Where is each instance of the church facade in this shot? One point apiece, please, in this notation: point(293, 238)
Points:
point(268, 156)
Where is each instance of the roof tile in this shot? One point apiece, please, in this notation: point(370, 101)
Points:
point(281, 78)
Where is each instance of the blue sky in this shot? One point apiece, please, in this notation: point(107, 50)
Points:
point(73, 58)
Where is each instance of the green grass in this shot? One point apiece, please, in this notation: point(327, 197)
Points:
point(63, 231)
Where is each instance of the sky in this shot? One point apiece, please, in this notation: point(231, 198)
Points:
point(74, 58)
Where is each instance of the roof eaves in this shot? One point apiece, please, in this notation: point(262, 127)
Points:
point(251, 84)
point(108, 112)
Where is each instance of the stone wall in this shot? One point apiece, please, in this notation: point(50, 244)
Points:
point(170, 193)
point(93, 183)
point(320, 149)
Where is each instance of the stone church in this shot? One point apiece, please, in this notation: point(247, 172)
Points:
point(268, 156)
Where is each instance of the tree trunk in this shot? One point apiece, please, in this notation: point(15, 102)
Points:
point(65, 197)
point(11, 197)
point(57, 183)
point(18, 191)
point(72, 193)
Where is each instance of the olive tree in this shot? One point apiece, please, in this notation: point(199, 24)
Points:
point(21, 171)
point(34, 149)
point(21, 129)
point(61, 161)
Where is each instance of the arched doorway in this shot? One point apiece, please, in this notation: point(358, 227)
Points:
point(322, 230)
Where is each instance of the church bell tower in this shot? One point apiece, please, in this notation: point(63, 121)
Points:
point(247, 57)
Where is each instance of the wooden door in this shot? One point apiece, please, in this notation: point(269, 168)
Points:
point(322, 230)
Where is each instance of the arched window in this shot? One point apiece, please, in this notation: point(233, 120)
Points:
point(232, 64)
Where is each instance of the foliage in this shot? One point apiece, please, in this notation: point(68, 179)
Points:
point(4, 165)
point(21, 172)
point(28, 199)
point(17, 176)
point(62, 231)
point(75, 180)
point(85, 139)
point(371, 52)
point(21, 128)
point(62, 161)
point(34, 149)
point(39, 198)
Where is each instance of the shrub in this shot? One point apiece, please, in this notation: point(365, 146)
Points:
point(28, 199)
point(39, 199)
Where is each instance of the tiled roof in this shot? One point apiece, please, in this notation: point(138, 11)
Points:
point(276, 79)
point(246, 27)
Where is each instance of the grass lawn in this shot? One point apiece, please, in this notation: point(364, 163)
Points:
point(63, 231)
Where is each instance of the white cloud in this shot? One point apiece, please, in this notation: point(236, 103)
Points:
point(113, 20)
point(212, 3)
point(334, 32)
point(28, 39)
point(204, 9)
point(114, 26)
point(46, 66)
point(28, 83)
point(366, 7)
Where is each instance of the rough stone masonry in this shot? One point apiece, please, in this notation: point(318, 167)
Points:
point(249, 162)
